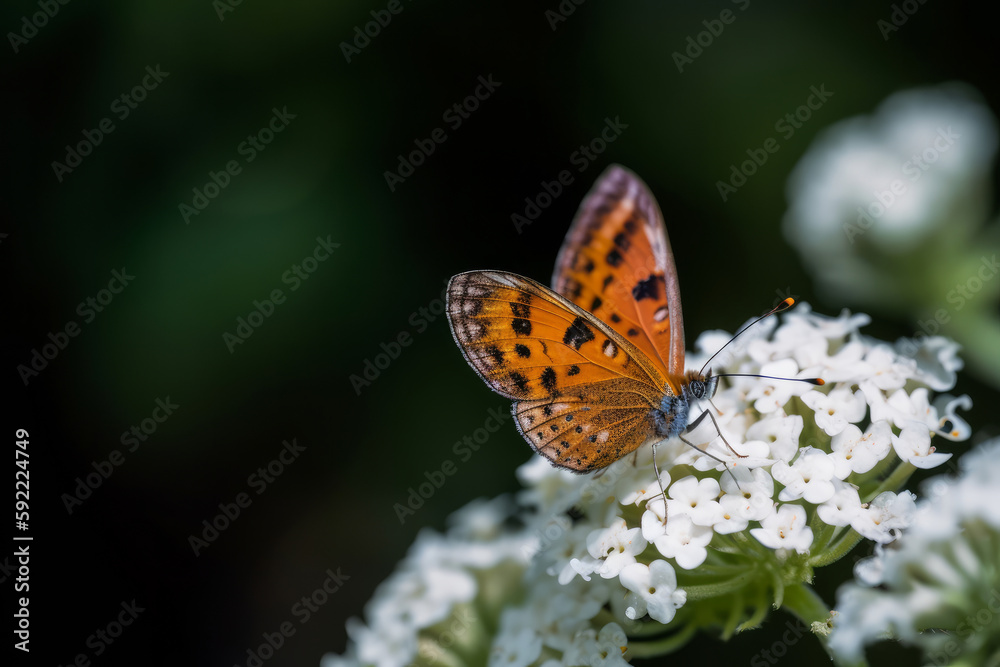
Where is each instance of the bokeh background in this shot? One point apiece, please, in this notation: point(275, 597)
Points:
point(229, 66)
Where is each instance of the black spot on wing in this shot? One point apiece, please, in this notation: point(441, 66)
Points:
point(613, 258)
point(647, 289)
point(578, 333)
point(519, 381)
point(607, 281)
point(521, 327)
point(573, 370)
point(595, 304)
point(523, 351)
point(549, 381)
point(521, 310)
point(622, 241)
point(496, 353)
point(616, 318)
point(633, 332)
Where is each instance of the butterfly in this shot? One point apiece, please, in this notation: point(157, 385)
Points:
point(594, 365)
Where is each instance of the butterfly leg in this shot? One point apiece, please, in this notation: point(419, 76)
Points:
point(693, 425)
point(697, 422)
point(659, 480)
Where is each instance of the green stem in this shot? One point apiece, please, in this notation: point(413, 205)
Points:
point(838, 550)
point(663, 646)
point(893, 482)
point(803, 602)
point(703, 591)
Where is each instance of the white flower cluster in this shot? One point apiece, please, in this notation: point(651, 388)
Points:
point(939, 584)
point(601, 556)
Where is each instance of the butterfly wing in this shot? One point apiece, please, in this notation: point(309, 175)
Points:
point(583, 392)
point(617, 264)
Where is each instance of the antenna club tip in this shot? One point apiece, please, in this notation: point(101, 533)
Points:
point(819, 382)
point(789, 302)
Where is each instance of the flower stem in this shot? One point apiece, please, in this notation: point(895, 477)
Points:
point(669, 644)
point(893, 482)
point(838, 550)
point(803, 602)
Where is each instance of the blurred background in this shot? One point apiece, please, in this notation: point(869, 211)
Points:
point(177, 163)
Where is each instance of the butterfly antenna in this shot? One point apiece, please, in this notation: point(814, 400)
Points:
point(818, 382)
point(783, 306)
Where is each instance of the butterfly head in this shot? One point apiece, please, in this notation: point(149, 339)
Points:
point(673, 415)
point(698, 386)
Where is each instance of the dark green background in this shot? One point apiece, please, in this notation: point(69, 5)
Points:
point(323, 176)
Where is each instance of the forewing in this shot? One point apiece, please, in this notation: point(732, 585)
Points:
point(616, 263)
point(583, 393)
point(528, 343)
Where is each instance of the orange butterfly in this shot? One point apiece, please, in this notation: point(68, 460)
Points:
point(595, 366)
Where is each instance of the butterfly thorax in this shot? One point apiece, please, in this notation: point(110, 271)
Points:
point(674, 413)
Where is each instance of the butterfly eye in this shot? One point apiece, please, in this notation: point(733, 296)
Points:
point(697, 389)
